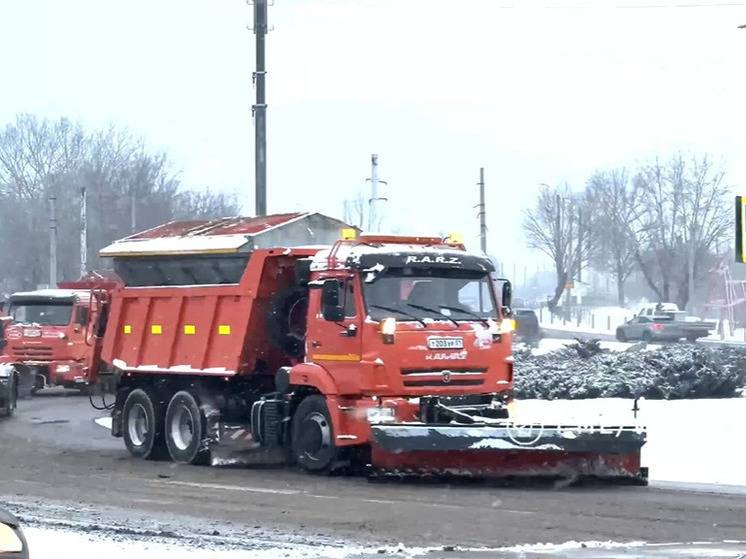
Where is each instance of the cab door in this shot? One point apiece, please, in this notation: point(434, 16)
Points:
point(334, 337)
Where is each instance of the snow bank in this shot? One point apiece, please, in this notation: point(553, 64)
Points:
point(690, 441)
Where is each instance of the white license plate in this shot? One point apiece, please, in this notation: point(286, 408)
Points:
point(31, 333)
point(445, 343)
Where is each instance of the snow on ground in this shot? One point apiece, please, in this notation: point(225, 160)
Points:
point(105, 422)
point(54, 543)
point(690, 441)
point(46, 543)
point(601, 320)
point(547, 345)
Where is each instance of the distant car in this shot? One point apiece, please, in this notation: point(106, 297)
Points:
point(12, 541)
point(527, 325)
point(665, 326)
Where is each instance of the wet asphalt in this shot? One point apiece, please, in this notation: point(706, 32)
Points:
point(58, 465)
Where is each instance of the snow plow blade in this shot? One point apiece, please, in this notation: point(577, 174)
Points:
point(508, 451)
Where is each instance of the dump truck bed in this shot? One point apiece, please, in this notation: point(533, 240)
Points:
point(200, 329)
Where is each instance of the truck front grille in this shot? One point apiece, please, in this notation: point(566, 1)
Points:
point(35, 353)
point(442, 377)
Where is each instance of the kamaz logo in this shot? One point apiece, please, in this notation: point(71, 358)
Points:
point(433, 260)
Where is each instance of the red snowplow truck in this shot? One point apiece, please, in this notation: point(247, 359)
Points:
point(389, 351)
point(49, 340)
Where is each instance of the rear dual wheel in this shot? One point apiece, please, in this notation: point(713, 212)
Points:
point(185, 430)
point(153, 434)
point(11, 397)
point(142, 419)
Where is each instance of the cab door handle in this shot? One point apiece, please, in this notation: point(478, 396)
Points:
point(316, 343)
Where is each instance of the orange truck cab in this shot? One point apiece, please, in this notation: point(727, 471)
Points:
point(47, 338)
point(387, 351)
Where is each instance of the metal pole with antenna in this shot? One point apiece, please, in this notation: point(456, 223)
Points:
point(482, 213)
point(52, 240)
point(375, 216)
point(259, 110)
point(83, 233)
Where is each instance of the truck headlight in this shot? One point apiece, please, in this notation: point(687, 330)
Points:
point(380, 415)
point(63, 368)
point(9, 540)
point(388, 329)
point(507, 325)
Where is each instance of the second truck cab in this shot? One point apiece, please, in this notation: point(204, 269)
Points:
point(46, 339)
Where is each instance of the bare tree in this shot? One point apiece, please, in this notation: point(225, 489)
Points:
point(685, 214)
point(356, 210)
point(122, 179)
point(558, 227)
point(205, 205)
point(614, 205)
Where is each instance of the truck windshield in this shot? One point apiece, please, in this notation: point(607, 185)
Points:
point(405, 293)
point(49, 314)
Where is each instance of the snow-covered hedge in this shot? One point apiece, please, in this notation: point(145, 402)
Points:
point(584, 370)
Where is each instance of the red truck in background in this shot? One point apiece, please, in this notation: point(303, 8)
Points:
point(389, 351)
point(49, 340)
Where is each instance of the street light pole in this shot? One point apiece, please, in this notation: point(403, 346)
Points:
point(260, 110)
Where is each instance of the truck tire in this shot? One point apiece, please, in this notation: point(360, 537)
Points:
point(10, 399)
point(647, 336)
point(185, 428)
point(313, 447)
point(692, 338)
point(620, 335)
point(142, 425)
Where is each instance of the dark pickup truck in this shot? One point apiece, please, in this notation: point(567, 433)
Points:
point(527, 326)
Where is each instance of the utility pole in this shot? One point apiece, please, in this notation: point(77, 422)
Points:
point(482, 214)
point(259, 110)
point(83, 234)
point(133, 210)
point(375, 213)
point(52, 241)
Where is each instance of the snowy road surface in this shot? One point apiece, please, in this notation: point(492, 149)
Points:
point(56, 543)
point(58, 463)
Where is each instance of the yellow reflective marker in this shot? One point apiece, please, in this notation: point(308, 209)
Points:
point(349, 234)
point(455, 238)
point(190, 329)
point(224, 329)
point(156, 329)
point(127, 329)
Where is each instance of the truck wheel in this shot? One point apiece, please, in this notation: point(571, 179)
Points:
point(691, 339)
point(142, 426)
point(620, 335)
point(647, 337)
point(313, 437)
point(185, 428)
point(11, 398)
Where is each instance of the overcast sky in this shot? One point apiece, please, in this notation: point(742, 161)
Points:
point(534, 91)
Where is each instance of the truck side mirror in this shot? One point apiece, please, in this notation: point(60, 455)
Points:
point(331, 309)
point(507, 295)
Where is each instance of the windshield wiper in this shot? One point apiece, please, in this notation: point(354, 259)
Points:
point(470, 313)
point(430, 309)
point(401, 311)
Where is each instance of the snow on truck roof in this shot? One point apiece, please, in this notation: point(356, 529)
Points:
point(227, 235)
point(51, 294)
point(424, 251)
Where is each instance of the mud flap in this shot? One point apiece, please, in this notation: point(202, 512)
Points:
point(233, 445)
point(507, 450)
